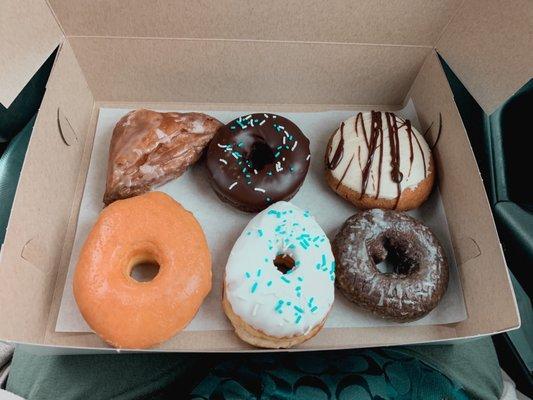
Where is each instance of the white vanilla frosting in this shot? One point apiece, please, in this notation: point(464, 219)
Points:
point(413, 153)
point(281, 305)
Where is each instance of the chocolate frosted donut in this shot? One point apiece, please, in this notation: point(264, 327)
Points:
point(257, 160)
point(420, 271)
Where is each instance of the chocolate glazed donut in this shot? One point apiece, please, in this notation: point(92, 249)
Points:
point(257, 160)
point(420, 272)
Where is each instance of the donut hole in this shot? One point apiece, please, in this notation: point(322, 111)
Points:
point(284, 263)
point(392, 257)
point(144, 271)
point(261, 155)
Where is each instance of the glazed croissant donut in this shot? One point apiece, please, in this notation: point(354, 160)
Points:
point(149, 148)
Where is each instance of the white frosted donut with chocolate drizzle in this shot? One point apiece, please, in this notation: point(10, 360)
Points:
point(379, 160)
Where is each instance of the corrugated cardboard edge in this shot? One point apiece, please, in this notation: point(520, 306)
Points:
point(463, 194)
point(29, 33)
point(489, 45)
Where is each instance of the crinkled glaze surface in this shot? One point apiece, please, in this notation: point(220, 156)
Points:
point(150, 148)
point(420, 275)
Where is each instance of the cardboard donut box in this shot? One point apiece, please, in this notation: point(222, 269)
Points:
point(223, 55)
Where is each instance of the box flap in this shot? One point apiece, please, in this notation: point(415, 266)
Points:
point(489, 45)
point(407, 22)
point(29, 33)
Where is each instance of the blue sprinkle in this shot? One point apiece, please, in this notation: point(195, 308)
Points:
point(284, 279)
point(323, 259)
point(318, 266)
point(299, 294)
point(300, 279)
point(299, 309)
point(248, 233)
point(240, 144)
point(310, 302)
point(258, 272)
point(298, 288)
point(277, 154)
point(297, 263)
point(260, 232)
point(274, 212)
point(247, 274)
point(266, 259)
point(289, 303)
point(314, 308)
point(332, 268)
point(298, 319)
point(269, 283)
point(254, 287)
point(278, 306)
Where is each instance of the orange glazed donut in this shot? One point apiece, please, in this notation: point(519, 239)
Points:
point(151, 228)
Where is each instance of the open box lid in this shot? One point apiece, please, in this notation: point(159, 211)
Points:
point(489, 44)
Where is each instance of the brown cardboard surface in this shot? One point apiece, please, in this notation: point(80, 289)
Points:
point(292, 66)
point(215, 71)
point(489, 45)
point(467, 208)
point(470, 221)
point(29, 34)
point(407, 22)
point(41, 209)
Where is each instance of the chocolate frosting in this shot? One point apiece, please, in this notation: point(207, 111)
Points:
point(257, 160)
point(150, 148)
point(420, 275)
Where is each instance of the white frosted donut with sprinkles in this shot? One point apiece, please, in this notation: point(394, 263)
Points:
point(279, 282)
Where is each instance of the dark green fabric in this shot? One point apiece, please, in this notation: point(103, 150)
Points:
point(99, 377)
point(10, 165)
point(473, 364)
point(457, 371)
point(354, 374)
point(26, 105)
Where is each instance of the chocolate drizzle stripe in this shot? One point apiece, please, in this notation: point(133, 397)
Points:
point(396, 175)
point(339, 152)
point(438, 133)
point(345, 172)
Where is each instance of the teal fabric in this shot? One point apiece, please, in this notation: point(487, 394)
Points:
point(356, 374)
point(10, 165)
point(457, 371)
point(26, 105)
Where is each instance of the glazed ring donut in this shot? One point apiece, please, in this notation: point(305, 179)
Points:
point(379, 160)
point(279, 283)
point(257, 160)
point(420, 271)
point(127, 313)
